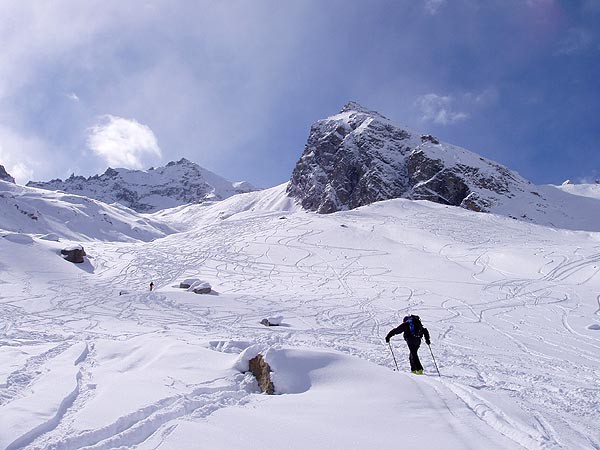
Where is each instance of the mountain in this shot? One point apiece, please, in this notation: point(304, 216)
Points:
point(178, 183)
point(358, 157)
point(36, 211)
point(5, 176)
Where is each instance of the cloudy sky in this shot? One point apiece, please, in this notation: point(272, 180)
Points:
point(234, 85)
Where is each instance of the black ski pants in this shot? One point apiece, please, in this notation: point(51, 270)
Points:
point(413, 346)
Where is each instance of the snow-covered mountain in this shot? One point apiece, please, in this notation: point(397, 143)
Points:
point(5, 176)
point(358, 157)
point(178, 183)
point(37, 211)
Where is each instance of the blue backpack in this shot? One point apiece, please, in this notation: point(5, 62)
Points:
point(415, 325)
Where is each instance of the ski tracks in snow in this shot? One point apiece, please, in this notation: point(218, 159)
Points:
point(336, 296)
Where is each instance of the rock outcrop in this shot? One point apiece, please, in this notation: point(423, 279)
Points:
point(178, 183)
point(358, 157)
point(261, 370)
point(5, 176)
point(74, 254)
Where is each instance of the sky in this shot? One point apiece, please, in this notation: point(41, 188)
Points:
point(235, 85)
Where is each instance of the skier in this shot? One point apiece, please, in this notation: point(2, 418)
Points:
point(151, 285)
point(413, 331)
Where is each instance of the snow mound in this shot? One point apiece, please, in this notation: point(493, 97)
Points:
point(50, 237)
point(18, 238)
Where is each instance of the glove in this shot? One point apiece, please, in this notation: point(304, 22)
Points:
point(387, 339)
point(427, 341)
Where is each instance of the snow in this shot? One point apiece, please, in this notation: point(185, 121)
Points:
point(513, 310)
point(37, 211)
point(584, 190)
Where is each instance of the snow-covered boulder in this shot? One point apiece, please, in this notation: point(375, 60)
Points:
point(196, 285)
point(272, 321)
point(185, 284)
point(200, 287)
point(74, 253)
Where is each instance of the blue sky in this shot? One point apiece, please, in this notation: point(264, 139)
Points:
point(235, 85)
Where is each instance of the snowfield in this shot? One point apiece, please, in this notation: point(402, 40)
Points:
point(90, 358)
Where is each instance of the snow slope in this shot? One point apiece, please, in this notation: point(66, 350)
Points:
point(31, 210)
point(90, 358)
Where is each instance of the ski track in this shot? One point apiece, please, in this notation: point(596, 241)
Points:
point(343, 303)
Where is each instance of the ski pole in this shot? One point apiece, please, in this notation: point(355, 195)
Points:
point(436, 367)
point(397, 370)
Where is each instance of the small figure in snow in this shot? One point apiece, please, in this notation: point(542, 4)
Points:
point(413, 331)
point(151, 285)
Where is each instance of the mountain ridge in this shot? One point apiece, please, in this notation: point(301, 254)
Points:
point(177, 183)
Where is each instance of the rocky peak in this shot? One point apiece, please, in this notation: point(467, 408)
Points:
point(181, 162)
point(5, 176)
point(355, 107)
point(358, 156)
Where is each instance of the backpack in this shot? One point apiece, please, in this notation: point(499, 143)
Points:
point(415, 325)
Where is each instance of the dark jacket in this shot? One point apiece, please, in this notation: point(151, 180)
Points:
point(404, 327)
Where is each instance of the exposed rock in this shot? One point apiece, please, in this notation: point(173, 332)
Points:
point(5, 176)
point(429, 138)
point(261, 370)
point(358, 157)
point(73, 254)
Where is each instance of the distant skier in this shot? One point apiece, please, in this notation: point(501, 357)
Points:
point(151, 286)
point(413, 331)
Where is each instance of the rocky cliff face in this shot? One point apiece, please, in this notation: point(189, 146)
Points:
point(178, 183)
point(358, 156)
point(5, 176)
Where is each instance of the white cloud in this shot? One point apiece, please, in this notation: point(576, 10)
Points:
point(123, 142)
point(438, 109)
point(433, 6)
point(20, 155)
point(73, 96)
